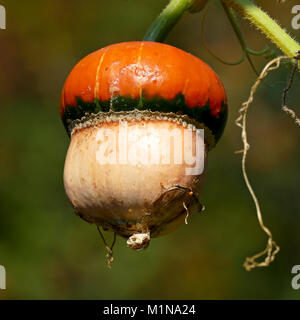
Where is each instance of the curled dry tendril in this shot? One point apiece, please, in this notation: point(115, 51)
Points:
point(272, 248)
point(109, 249)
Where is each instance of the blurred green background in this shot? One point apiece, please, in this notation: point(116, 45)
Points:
point(49, 253)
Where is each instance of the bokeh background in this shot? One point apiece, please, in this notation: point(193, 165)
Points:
point(49, 253)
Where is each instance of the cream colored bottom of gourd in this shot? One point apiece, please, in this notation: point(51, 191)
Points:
point(124, 181)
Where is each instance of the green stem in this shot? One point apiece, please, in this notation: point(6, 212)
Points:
point(236, 28)
point(266, 25)
point(235, 25)
point(167, 20)
point(260, 19)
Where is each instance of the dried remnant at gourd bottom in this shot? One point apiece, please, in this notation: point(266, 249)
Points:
point(157, 93)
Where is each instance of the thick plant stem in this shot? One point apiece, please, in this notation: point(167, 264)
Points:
point(266, 25)
point(167, 20)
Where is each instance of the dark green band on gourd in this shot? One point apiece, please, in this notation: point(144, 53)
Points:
point(177, 105)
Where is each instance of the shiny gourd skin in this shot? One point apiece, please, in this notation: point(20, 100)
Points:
point(145, 75)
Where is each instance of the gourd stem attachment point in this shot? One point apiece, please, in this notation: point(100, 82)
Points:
point(139, 241)
point(164, 23)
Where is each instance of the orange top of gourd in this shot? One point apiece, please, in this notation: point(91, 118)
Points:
point(154, 69)
point(145, 75)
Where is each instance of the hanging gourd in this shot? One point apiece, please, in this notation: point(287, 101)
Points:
point(121, 105)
